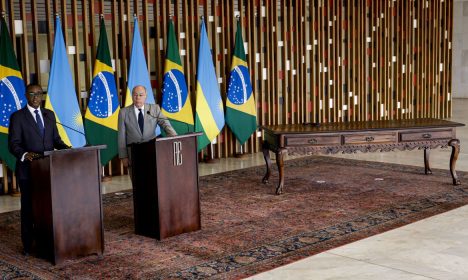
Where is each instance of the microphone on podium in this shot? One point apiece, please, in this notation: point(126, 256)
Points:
point(156, 117)
point(71, 128)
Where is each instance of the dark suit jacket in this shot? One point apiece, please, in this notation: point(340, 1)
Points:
point(24, 136)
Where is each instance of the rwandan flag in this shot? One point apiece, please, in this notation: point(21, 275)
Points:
point(103, 107)
point(138, 72)
point(209, 117)
point(241, 115)
point(61, 95)
point(176, 105)
point(12, 92)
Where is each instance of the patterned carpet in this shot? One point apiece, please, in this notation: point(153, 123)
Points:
point(247, 229)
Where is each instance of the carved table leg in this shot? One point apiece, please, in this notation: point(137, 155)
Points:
point(455, 143)
point(266, 155)
point(427, 167)
point(280, 162)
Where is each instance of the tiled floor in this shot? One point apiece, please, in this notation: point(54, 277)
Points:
point(434, 248)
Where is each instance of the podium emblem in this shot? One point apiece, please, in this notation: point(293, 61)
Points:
point(177, 151)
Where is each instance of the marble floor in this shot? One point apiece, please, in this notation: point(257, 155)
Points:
point(434, 248)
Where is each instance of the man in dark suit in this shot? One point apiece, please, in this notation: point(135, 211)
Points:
point(32, 131)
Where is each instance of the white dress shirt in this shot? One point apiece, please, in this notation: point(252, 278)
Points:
point(137, 111)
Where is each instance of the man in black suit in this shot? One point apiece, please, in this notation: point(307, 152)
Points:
point(32, 131)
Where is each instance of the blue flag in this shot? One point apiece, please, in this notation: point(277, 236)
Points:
point(209, 117)
point(138, 72)
point(61, 94)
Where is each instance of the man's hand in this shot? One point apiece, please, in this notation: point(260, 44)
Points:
point(124, 162)
point(30, 156)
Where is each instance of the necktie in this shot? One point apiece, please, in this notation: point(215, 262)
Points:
point(40, 125)
point(140, 120)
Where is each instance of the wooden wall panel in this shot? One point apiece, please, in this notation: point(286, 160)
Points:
point(310, 60)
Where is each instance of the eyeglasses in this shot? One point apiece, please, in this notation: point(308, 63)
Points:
point(139, 94)
point(35, 94)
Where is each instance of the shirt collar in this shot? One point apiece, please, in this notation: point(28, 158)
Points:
point(137, 109)
point(31, 109)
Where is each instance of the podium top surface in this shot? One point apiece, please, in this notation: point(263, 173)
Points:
point(187, 135)
point(86, 148)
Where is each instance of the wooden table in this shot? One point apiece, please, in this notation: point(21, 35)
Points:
point(367, 136)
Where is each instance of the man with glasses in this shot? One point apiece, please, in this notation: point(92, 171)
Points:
point(32, 131)
point(137, 122)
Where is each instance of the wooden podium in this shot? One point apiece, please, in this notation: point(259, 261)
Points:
point(67, 206)
point(165, 186)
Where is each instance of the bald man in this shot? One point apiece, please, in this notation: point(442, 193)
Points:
point(137, 125)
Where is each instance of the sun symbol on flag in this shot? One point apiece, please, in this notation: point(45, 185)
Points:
point(77, 120)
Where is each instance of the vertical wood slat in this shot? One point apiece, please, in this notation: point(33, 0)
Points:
point(127, 26)
point(86, 49)
point(250, 20)
point(223, 64)
point(157, 7)
point(302, 67)
point(116, 48)
point(272, 73)
point(64, 20)
point(76, 56)
point(11, 20)
point(35, 42)
point(449, 60)
point(24, 49)
point(122, 45)
point(331, 82)
point(185, 49)
point(165, 10)
point(145, 33)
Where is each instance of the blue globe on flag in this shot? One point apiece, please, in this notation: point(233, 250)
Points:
point(174, 91)
point(11, 99)
point(239, 85)
point(102, 103)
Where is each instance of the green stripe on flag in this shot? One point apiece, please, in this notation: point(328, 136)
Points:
point(5, 155)
point(98, 134)
point(241, 124)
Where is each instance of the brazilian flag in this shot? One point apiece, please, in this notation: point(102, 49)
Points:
point(12, 92)
point(103, 106)
point(176, 105)
point(241, 116)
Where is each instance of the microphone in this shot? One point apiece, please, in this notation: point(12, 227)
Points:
point(157, 117)
point(164, 118)
point(45, 114)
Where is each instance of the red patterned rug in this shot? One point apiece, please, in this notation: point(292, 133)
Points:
point(247, 229)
